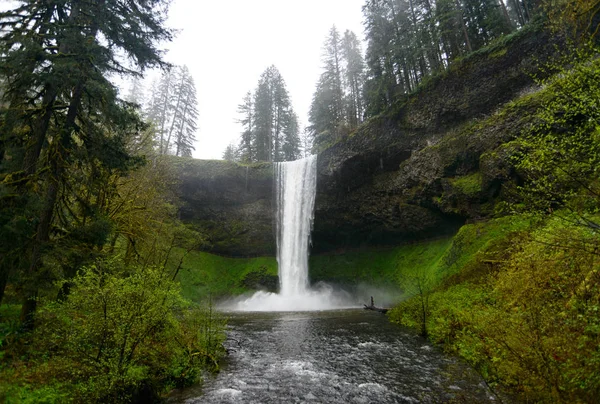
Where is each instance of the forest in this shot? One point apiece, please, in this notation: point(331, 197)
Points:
point(95, 296)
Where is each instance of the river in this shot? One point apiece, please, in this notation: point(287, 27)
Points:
point(339, 356)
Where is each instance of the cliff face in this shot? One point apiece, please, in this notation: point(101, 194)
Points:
point(229, 204)
point(421, 170)
point(415, 172)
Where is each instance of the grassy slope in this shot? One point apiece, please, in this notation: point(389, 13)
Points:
point(377, 267)
point(204, 273)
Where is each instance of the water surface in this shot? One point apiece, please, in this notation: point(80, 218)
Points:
point(344, 356)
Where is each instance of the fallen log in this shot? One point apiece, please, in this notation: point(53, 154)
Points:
point(375, 308)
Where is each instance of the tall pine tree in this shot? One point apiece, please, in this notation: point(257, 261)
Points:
point(337, 104)
point(63, 113)
point(173, 111)
point(275, 131)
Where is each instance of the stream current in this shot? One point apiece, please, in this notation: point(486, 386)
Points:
point(339, 356)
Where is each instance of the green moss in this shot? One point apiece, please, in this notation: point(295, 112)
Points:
point(473, 241)
point(204, 274)
point(377, 267)
point(468, 185)
point(498, 53)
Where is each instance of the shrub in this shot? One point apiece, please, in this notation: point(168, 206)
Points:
point(122, 335)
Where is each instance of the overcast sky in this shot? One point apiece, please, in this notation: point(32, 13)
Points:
point(228, 44)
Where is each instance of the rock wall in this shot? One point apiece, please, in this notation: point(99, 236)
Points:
point(398, 177)
point(229, 204)
point(418, 171)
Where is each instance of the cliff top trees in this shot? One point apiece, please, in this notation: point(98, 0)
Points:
point(271, 131)
point(337, 104)
point(409, 39)
point(173, 110)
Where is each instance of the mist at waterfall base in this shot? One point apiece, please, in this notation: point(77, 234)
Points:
point(296, 185)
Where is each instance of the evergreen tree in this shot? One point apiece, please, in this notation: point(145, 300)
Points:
point(326, 114)
point(354, 71)
point(64, 114)
point(306, 141)
point(275, 131)
point(337, 104)
point(264, 116)
point(173, 111)
point(409, 39)
point(290, 148)
point(246, 146)
point(164, 114)
point(185, 115)
point(230, 153)
point(135, 94)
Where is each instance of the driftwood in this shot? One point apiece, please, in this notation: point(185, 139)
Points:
point(375, 308)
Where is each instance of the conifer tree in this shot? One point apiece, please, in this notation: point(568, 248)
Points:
point(354, 78)
point(337, 102)
point(246, 146)
point(135, 94)
point(63, 112)
point(230, 153)
point(409, 39)
point(275, 131)
point(185, 115)
point(173, 111)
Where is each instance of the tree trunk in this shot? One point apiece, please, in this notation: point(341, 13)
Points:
point(50, 202)
point(459, 10)
point(519, 12)
point(4, 274)
point(505, 13)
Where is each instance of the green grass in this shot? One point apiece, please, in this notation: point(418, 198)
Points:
point(205, 274)
point(377, 267)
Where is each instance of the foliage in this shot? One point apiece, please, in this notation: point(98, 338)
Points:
point(407, 41)
point(527, 315)
point(205, 274)
point(559, 156)
point(65, 134)
point(337, 104)
point(124, 333)
point(579, 19)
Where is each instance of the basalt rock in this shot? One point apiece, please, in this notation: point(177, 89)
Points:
point(229, 204)
point(416, 171)
point(433, 161)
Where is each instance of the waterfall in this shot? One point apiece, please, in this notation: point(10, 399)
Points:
point(296, 185)
point(295, 190)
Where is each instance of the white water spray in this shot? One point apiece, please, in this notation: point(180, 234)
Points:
point(295, 184)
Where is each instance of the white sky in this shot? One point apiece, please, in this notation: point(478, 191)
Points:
point(228, 44)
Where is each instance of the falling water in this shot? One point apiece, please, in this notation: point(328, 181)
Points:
point(295, 187)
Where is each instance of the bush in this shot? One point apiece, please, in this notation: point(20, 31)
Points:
point(122, 335)
point(529, 317)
